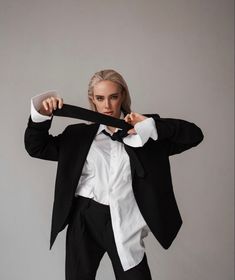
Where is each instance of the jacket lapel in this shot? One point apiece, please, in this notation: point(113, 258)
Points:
point(85, 140)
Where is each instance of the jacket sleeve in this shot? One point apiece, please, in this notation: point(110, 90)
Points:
point(39, 143)
point(179, 135)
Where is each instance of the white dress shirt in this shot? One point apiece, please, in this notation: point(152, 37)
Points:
point(106, 178)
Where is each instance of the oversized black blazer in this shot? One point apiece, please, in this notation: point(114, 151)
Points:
point(153, 192)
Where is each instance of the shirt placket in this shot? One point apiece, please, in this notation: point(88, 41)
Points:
point(113, 164)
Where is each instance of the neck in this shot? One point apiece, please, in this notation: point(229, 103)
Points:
point(111, 128)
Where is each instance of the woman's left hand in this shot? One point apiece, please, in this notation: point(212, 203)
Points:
point(133, 118)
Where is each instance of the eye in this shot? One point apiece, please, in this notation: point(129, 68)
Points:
point(99, 98)
point(114, 97)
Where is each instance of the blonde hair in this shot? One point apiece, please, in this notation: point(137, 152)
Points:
point(113, 76)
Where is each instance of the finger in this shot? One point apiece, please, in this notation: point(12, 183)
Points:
point(50, 101)
point(132, 116)
point(61, 102)
point(44, 104)
point(54, 102)
point(128, 118)
point(49, 104)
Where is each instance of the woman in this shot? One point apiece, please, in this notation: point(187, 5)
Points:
point(108, 204)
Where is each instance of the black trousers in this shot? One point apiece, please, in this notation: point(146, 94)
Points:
point(89, 236)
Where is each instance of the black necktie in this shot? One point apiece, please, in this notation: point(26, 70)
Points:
point(85, 114)
point(76, 112)
point(118, 136)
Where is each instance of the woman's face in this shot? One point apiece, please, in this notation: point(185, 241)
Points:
point(107, 97)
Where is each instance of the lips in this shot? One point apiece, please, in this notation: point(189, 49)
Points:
point(108, 113)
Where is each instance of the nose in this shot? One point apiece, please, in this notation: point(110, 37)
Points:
point(107, 103)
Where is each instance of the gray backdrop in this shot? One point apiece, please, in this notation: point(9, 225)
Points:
point(177, 58)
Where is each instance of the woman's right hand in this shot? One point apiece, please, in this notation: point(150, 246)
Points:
point(49, 104)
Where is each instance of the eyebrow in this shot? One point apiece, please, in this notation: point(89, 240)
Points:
point(98, 95)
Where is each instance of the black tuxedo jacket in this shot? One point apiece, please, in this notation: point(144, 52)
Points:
point(153, 191)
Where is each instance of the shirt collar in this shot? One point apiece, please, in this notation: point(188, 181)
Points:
point(103, 126)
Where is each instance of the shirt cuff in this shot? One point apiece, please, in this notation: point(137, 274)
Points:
point(36, 102)
point(133, 140)
point(145, 129)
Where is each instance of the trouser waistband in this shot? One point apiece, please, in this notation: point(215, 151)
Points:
point(86, 202)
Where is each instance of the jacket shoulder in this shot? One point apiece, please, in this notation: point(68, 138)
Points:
point(81, 129)
point(80, 126)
